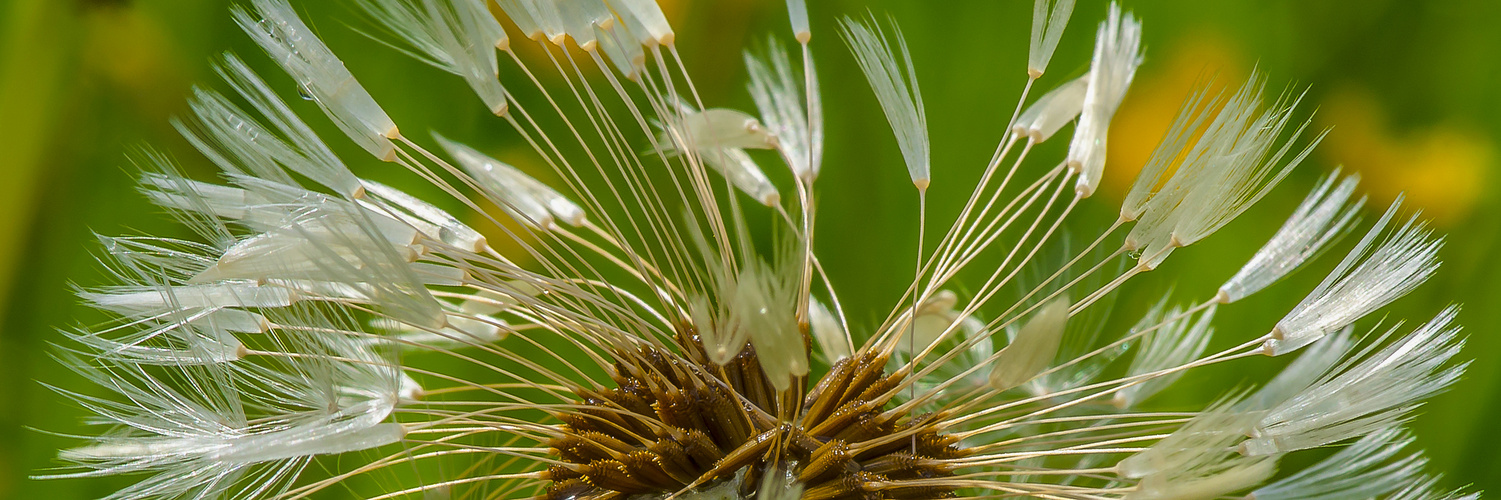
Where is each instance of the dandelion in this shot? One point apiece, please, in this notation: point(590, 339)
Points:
point(622, 333)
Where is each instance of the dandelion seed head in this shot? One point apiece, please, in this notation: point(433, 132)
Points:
point(597, 315)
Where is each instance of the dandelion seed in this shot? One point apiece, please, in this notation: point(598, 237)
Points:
point(1368, 278)
point(1376, 393)
point(457, 36)
point(1196, 462)
point(1322, 217)
point(895, 84)
point(1047, 30)
point(779, 98)
point(1117, 54)
point(1174, 343)
point(277, 29)
point(1052, 111)
point(1034, 347)
point(1230, 167)
point(797, 11)
point(1365, 469)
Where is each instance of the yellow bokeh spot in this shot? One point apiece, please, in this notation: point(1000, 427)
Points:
point(1158, 91)
point(1441, 168)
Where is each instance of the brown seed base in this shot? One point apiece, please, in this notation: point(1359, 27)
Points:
point(675, 421)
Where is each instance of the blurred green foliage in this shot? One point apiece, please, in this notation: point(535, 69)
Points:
point(1410, 88)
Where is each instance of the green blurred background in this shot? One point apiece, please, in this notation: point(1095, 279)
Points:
point(1409, 87)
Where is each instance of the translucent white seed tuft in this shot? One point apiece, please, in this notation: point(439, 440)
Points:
point(242, 144)
point(1377, 392)
point(895, 86)
point(1233, 163)
point(1178, 340)
point(1315, 362)
point(716, 128)
point(321, 75)
point(537, 19)
point(1052, 111)
point(1047, 30)
point(1185, 127)
point(644, 18)
point(457, 36)
point(797, 13)
point(1427, 488)
point(759, 304)
point(828, 331)
point(1324, 216)
point(528, 200)
point(440, 226)
point(1368, 468)
point(1197, 460)
point(235, 428)
point(1117, 54)
point(1033, 349)
point(580, 18)
point(779, 98)
point(1371, 276)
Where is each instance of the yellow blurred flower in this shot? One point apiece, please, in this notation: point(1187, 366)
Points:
point(1441, 167)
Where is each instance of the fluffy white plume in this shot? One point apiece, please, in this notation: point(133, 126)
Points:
point(1323, 217)
point(315, 247)
point(895, 85)
point(1376, 393)
point(759, 304)
point(1364, 469)
point(1371, 276)
point(1117, 54)
point(1230, 167)
point(779, 98)
point(1312, 365)
point(797, 13)
point(241, 144)
point(644, 18)
point(828, 331)
point(1052, 111)
point(277, 29)
point(1178, 340)
point(462, 330)
point(438, 224)
point(718, 137)
point(528, 200)
point(1047, 30)
point(580, 18)
point(457, 36)
point(1197, 460)
point(1186, 125)
point(1426, 488)
point(1033, 349)
point(239, 429)
point(538, 19)
point(716, 128)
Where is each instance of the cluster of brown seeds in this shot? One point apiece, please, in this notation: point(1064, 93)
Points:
point(677, 421)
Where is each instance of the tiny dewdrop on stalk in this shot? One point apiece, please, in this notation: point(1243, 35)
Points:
point(614, 324)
